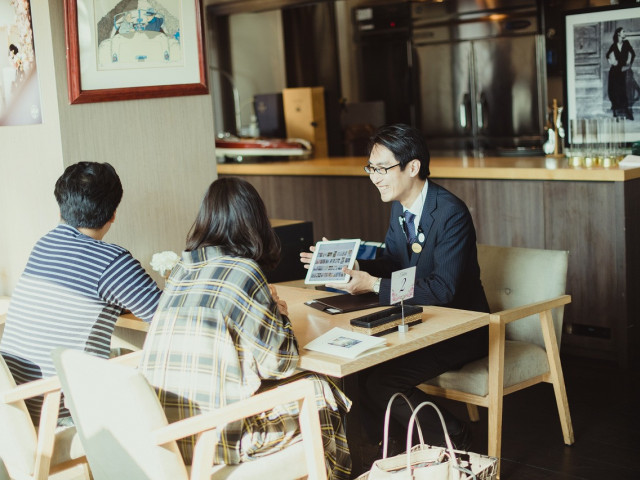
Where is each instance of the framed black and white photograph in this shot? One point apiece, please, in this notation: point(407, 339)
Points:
point(124, 49)
point(602, 72)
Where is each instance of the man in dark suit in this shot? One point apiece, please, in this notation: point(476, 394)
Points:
point(431, 229)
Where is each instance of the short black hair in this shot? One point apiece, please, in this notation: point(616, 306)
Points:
point(406, 143)
point(88, 194)
point(233, 217)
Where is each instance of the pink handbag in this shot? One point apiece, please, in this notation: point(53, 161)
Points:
point(425, 462)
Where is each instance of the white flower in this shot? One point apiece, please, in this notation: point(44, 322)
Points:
point(164, 262)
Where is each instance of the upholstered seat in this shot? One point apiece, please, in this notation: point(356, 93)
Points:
point(525, 288)
point(126, 435)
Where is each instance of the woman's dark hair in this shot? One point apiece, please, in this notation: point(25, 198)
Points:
point(233, 217)
point(616, 34)
point(406, 143)
point(88, 194)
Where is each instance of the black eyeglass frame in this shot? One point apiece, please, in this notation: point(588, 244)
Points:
point(370, 169)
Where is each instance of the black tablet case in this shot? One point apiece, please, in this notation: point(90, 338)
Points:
point(344, 303)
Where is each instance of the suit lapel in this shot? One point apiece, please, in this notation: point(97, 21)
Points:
point(426, 219)
point(396, 212)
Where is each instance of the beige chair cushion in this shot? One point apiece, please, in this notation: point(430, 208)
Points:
point(288, 463)
point(67, 446)
point(521, 361)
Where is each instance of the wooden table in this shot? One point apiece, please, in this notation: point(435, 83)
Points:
point(438, 324)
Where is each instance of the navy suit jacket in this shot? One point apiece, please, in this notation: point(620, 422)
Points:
point(447, 270)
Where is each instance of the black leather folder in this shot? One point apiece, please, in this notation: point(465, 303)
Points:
point(344, 303)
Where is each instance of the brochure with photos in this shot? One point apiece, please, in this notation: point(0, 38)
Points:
point(345, 343)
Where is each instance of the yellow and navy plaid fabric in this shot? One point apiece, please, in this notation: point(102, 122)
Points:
point(217, 338)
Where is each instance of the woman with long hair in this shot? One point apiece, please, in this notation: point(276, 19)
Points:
point(221, 334)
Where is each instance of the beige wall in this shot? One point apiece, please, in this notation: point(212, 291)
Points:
point(30, 162)
point(163, 150)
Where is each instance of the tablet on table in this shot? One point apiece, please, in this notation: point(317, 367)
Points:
point(329, 258)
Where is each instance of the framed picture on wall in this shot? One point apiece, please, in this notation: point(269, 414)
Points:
point(602, 71)
point(122, 50)
point(19, 88)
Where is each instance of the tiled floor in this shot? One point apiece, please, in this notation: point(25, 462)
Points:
point(604, 402)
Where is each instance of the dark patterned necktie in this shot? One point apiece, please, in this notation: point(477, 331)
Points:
point(409, 226)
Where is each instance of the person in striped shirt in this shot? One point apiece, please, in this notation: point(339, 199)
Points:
point(222, 334)
point(75, 285)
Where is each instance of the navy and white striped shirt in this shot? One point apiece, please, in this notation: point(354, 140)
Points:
point(70, 295)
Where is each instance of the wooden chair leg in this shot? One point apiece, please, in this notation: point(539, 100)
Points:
point(557, 378)
point(472, 410)
point(496, 387)
point(46, 434)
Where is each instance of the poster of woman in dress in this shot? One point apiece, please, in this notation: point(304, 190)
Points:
point(620, 87)
point(19, 89)
point(602, 69)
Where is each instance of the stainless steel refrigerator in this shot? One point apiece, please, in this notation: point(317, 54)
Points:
point(479, 75)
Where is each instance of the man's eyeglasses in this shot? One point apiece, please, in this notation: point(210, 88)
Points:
point(379, 170)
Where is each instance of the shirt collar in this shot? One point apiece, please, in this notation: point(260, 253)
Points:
point(418, 204)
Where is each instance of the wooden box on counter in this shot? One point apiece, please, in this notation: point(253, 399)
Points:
point(304, 117)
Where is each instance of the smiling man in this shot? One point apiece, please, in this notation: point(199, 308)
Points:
point(431, 229)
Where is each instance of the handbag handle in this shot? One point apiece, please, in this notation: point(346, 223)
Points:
point(387, 414)
point(447, 439)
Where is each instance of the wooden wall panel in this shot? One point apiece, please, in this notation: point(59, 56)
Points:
point(586, 218)
point(629, 326)
point(587, 225)
point(465, 190)
point(339, 207)
point(510, 213)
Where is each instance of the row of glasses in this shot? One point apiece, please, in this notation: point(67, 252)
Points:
point(596, 141)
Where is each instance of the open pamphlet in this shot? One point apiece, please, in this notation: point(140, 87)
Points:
point(345, 343)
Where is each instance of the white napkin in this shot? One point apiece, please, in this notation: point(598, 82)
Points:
point(630, 161)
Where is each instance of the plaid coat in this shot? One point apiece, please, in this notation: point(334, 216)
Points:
point(217, 338)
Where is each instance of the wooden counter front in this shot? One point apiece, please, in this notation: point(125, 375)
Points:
point(499, 168)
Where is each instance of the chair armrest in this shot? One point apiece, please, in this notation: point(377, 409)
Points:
point(295, 391)
point(36, 388)
point(30, 390)
point(508, 316)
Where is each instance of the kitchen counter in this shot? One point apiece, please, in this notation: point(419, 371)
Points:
point(498, 168)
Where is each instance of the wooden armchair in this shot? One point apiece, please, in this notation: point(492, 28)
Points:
point(29, 452)
point(32, 453)
point(126, 435)
point(525, 289)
